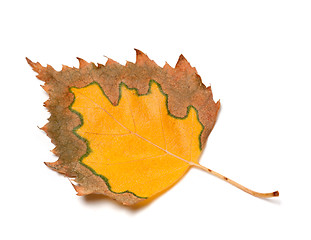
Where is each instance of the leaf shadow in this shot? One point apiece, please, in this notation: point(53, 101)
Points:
point(95, 199)
point(275, 201)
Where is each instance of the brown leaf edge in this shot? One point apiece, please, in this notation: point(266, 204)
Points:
point(182, 85)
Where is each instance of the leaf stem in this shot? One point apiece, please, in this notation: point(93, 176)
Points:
point(249, 191)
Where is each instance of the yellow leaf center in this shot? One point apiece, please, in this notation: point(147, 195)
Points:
point(136, 146)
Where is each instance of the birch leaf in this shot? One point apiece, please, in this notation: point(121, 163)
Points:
point(128, 132)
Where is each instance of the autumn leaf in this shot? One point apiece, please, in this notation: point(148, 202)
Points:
point(128, 132)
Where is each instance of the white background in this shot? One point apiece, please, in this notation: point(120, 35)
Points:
point(257, 57)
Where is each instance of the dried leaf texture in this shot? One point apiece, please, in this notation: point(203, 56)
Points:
point(181, 85)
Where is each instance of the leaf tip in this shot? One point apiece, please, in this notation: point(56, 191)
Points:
point(82, 63)
point(35, 66)
point(81, 191)
point(218, 105)
point(50, 164)
point(44, 128)
point(141, 57)
point(183, 64)
point(77, 188)
point(138, 51)
point(28, 60)
point(64, 67)
point(111, 62)
point(167, 66)
point(181, 58)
